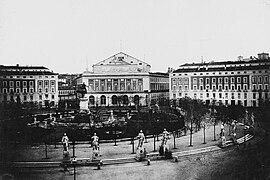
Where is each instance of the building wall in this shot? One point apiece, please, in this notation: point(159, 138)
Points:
point(243, 82)
point(29, 84)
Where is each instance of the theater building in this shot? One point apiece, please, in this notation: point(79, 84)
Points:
point(122, 80)
point(245, 81)
point(35, 85)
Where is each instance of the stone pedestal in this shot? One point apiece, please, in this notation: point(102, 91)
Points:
point(83, 104)
point(223, 141)
point(66, 157)
point(140, 154)
point(96, 156)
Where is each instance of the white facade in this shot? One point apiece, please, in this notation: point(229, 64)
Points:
point(120, 80)
point(243, 82)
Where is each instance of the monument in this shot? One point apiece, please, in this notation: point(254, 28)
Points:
point(164, 147)
point(66, 156)
point(95, 145)
point(140, 151)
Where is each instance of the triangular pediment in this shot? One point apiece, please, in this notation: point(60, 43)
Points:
point(121, 59)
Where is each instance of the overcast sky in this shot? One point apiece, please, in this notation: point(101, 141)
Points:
point(64, 34)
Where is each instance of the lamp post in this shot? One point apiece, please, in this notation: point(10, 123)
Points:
point(191, 118)
point(204, 142)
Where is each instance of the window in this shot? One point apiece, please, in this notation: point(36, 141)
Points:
point(40, 90)
point(52, 96)
point(46, 83)
point(232, 95)
point(254, 95)
point(11, 90)
point(46, 90)
point(174, 96)
point(226, 87)
point(214, 95)
point(245, 87)
point(219, 80)
point(265, 86)
point(18, 90)
point(46, 96)
point(24, 98)
point(201, 88)
point(239, 87)
point(220, 95)
point(52, 89)
point(214, 87)
point(173, 81)
point(24, 83)
point(253, 79)
point(180, 94)
point(213, 80)
point(201, 80)
point(4, 90)
point(40, 83)
point(180, 88)
point(195, 88)
point(40, 97)
point(195, 95)
point(220, 88)
point(226, 80)
point(31, 83)
point(232, 79)
point(239, 95)
point(260, 79)
point(238, 80)
point(226, 95)
point(207, 95)
point(5, 83)
point(174, 88)
point(207, 80)
point(201, 95)
point(266, 79)
point(31, 97)
point(245, 95)
point(11, 83)
point(52, 83)
point(232, 87)
point(31, 90)
point(245, 79)
point(260, 87)
point(254, 87)
point(24, 90)
point(18, 83)
point(186, 88)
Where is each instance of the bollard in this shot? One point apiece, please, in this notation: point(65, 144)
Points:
point(148, 161)
point(98, 166)
point(176, 159)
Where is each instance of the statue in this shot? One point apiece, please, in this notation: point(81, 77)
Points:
point(65, 142)
point(164, 147)
point(141, 139)
point(165, 137)
point(95, 144)
point(82, 90)
point(222, 135)
point(141, 151)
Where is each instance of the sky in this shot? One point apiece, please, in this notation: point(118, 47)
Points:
point(67, 36)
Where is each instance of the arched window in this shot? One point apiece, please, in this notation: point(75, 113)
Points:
point(136, 100)
point(114, 99)
point(92, 100)
point(125, 100)
point(103, 100)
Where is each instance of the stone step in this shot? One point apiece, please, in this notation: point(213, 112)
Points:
point(118, 161)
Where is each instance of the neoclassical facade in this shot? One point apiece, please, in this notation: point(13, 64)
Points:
point(28, 85)
point(124, 80)
point(245, 81)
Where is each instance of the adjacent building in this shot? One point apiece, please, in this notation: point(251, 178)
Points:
point(124, 80)
point(245, 81)
point(35, 85)
point(67, 91)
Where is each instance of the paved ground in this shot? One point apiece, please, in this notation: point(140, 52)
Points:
point(109, 150)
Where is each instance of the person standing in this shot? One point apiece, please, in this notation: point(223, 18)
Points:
point(165, 136)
